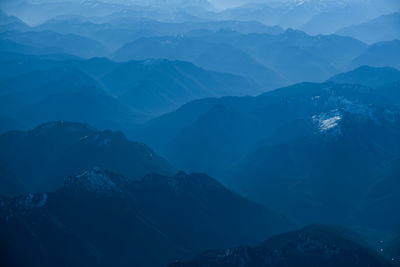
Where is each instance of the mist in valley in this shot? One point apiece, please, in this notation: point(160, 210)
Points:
point(199, 133)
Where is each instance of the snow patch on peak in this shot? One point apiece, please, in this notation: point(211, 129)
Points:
point(328, 121)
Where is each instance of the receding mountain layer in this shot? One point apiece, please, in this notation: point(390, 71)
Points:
point(42, 157)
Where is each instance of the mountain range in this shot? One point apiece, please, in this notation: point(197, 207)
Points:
point(292, 55)
point(268, 55)
point(100, 218)
point(385, 80)
point(382, 54)
point(344, 135)
point(106, 94)
point(115, 114)
point(369, 76)
point(53, 43)
point(371, 32)
point(41, 158)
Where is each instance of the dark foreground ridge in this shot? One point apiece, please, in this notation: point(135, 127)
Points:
point(315, 245)
point(103, 219)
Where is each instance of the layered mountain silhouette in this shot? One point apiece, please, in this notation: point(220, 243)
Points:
point(303, 141)
point(385, 80)
point(314, 16)
point(106, 94)
point(8, 23)
point(268, 55)
point(157, 86)
point(312, 170)
point(50, 42)
point(124, 27)
point(294, 55)
point(236, 125)
point(100, 218)
point(382, 54)
point(43, 157)
point(369, 76)
point(57, 93)
point(115, 114)
point(315, 245)
point(371, 32)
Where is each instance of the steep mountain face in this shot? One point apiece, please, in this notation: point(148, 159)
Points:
point(383, 54)
point(42, 157)
point(369, 76)
point(124, 222)
point(342, 158)
point(207, 135)
point(344, 149)
point(309, 139)
point(157, 86)
point(51, 42)
point(371, 32)
point(315, 245)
